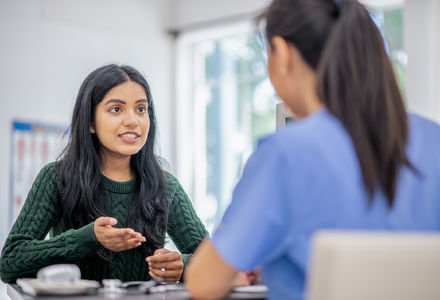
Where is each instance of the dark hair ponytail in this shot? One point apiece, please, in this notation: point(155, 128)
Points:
point(355, 80)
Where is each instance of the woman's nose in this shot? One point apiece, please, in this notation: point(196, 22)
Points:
point(130, 119)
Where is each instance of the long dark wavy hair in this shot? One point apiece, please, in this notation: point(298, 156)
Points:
point(79, 166)
point(355, 80)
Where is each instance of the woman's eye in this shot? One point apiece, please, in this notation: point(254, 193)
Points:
point(115, 109)
point(142, 109)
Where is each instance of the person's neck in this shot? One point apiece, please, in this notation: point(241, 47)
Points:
point(308, 94)
point(311, 103)
point(117, 168)
point(308, 104)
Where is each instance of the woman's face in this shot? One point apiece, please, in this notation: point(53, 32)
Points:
point(122, 121)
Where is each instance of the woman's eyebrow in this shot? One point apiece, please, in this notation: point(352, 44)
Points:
point(115, 101)
point(144, 100)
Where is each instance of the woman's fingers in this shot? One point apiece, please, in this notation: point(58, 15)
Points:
point(162, 251)
point(165, 264)
point(105, 221)
point(240, 279)
point(121, 234)
point(167, 275)
point(163, 257)
point(116, 239)
point(173, 265)
point(127, 244)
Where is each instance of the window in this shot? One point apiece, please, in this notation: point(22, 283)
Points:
point(390, 23)
point(233, 106)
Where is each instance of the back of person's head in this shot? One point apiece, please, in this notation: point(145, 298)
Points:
point(355, 80)
point(79, 166)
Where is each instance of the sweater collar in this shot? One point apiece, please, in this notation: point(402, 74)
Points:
point(118, 187)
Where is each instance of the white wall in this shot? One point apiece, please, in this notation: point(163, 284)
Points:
point(47, 47)
point(189, 13)
point(422, 44)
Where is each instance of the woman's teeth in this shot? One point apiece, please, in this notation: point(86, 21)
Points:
point(129, 136)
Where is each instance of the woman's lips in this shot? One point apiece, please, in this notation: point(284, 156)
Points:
point(129, 137)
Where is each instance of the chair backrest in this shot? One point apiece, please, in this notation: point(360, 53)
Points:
point(352, 265)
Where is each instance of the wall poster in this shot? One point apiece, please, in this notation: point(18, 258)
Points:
point(33, 145)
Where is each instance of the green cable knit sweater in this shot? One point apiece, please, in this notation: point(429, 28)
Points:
point(26, 250)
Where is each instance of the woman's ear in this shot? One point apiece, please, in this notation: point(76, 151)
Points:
point(281, 55)
point(92, 128)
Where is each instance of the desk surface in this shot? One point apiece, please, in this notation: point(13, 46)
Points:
point(15, 293)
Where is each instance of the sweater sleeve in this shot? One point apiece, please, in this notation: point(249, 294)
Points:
point(26, 250)
point(184, 226)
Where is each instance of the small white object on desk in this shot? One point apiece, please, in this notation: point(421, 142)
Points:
point(60, 279)
point(259, 288)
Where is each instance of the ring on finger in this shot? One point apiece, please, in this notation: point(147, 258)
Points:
point(163, 269)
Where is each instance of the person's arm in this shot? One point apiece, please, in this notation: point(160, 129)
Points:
point(26, 250)
point(253, 229)
point(184, 226)
point(207, 261)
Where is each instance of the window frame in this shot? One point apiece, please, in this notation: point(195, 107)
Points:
point(185, 162)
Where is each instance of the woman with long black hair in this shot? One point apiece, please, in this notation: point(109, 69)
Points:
point(106, 201)
point(353, 160)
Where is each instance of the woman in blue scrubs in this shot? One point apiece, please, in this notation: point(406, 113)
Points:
point(354, 160)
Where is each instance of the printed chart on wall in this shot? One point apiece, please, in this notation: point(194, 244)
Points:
point(33, 145)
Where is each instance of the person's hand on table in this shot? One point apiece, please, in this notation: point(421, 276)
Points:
point(240, 279)
point(165, 265)
point(116, 239)
point(254, 276)
point(246, 278)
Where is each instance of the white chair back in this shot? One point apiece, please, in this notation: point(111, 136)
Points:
point(350, 265)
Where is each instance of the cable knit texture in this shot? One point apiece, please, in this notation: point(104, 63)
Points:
point(26, 250)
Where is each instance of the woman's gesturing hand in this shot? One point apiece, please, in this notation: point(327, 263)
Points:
point(166, 265)
point(116, 239)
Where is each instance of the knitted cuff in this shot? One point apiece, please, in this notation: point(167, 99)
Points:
point(86, 236)
point(185, 258)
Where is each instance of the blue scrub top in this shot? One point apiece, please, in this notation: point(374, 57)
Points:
point(306, 177)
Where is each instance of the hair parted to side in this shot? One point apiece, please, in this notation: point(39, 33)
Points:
point(79, 166)
point(355, 80)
